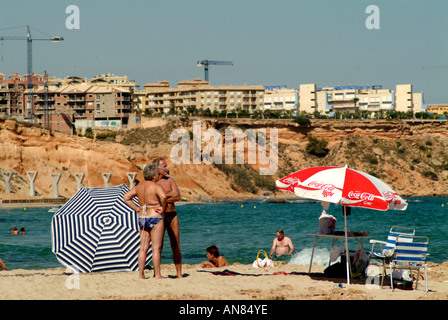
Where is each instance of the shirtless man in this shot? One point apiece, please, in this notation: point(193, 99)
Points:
point(281, 245)
point(171, 219)
point(152, 201)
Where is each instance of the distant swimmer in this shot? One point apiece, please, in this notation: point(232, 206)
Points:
point(15, 231)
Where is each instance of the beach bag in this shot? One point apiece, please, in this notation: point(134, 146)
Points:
point(360, 263)
point(336, 270)
point(262, 263)
point(327, 223)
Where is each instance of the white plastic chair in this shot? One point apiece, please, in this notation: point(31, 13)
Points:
point(385, 249)
point(410, 256)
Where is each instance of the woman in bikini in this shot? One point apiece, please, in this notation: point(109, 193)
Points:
point(152, 201)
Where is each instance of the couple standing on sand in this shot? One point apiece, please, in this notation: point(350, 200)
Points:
point(156, 197)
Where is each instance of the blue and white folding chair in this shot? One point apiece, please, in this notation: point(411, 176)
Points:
point(385, 249)
point(410, 256)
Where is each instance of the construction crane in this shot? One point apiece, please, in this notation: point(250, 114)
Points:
point(29, 39)
point(206, 63)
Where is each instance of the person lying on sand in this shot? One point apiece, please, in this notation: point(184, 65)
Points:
point(215, 260)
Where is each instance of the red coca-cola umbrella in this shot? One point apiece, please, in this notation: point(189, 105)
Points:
point(342, 185)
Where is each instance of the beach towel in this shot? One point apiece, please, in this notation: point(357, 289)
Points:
point(227, 272)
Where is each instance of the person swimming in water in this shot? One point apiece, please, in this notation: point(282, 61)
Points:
point(152, 201)
point(281, 245)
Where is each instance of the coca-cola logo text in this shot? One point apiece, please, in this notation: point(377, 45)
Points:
point(291, 180)
point(366, 196)
point(392, 197)
point(327, 188)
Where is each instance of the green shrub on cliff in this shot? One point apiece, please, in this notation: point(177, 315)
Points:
point(302, 120)
point(317, 147)
point(246, 178)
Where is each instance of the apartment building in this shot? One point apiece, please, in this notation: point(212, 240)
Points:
point(375, 100)
point(280, 98)
point(406, 100)
point(13, 101)
point(308, 99)
point(6, 100)
point(73, 108)
point(113, 106)
point(440, 109)
point(312, 99)
point(366, 98)
point(70, 104)
point(199, 94)
point(110, 79)
point(107, 79)
point(139, 100)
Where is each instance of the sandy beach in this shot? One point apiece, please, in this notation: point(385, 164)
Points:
point(283, 282)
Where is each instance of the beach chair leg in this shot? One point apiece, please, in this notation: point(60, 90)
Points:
point(383, 273)
point(426, 280)
point(332, 246)
point(391, 279)
point(418, 277)
point(312, 255)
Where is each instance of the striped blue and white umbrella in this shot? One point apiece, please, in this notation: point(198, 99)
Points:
point(96, 231)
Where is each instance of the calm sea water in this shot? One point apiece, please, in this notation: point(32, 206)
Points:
point(239, 230)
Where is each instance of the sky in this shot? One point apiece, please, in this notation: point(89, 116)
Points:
point(276, 42)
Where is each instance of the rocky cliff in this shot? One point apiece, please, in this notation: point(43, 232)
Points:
point(411, 157)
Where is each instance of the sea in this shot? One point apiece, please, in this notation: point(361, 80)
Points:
point(240, 229)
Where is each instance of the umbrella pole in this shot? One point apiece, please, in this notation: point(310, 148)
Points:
point(347, 253)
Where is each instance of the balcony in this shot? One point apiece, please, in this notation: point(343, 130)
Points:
point(76, 101)
point(42, 99)
point(43, 108)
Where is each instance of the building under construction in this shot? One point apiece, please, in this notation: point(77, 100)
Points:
point(69, 105)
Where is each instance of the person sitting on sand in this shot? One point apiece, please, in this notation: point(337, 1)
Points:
point(2, 265)
point(22, 231)
point(281, 245)
point(15, 231)
point(215, 260)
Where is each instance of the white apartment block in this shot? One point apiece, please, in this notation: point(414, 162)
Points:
point(307, 99)
point(367, 98)
point(280, 98)
point(375, 100)
point(406, 100)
